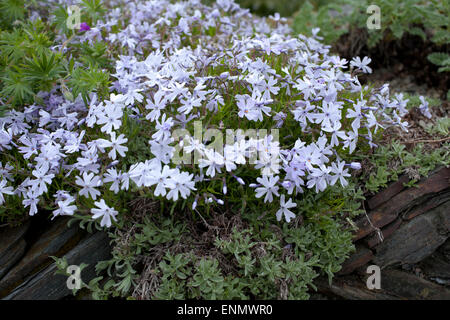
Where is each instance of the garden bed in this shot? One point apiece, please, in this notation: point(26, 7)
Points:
point(177, 150)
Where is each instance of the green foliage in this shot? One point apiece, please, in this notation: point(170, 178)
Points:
point(267, 7)
point(94, 9)
point(441, 127)
point(268, 269)
point(312, 15)
point(441, 59)
point(12, 213)
point(85, 81)
point(254, 259)
point(207, 282)
point(393, 160)
point(12, 10)
point(29, 62)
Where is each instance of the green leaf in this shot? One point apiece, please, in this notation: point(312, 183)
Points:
point(12, 10)
point(397, 29)
point(439, 58)
point(43, 70)
point(85, 81)
point(418, 32)
point(441, 37)
point(16, 88)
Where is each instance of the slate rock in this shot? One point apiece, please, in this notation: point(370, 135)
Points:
point(362, 256)
point(351, 287)
point(45, 285)
point(374, 239)
point(378, 218)
point(427, 206)
point(385, 195)
point(389, 211)
point(56, 241)
point(408, 286)
point(395, 285)
point(445, 250)
point(11, 256)
point(12, 246)
point(417, 239)
point(437, 268)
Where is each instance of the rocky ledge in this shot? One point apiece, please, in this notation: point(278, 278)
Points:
point(406, 233)
point(26, 269)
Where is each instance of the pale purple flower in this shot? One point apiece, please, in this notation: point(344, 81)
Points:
point(65, 208)
point(4, 190)
point(361, 64)
point(106, 213)
point(284, 209)
point(89, 183)
point(268, 188)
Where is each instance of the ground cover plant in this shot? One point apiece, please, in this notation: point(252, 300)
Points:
point(416, 153)
point(215, 147)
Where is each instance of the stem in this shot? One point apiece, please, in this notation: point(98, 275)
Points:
point(427, 141)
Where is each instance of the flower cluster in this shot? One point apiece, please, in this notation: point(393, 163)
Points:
point(182, 63)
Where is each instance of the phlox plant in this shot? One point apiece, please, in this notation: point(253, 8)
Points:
point(181, 63)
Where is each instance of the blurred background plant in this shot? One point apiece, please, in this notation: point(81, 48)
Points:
point(422, 25)
point(426, 19)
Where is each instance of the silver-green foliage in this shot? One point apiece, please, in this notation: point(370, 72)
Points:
point(258, 259)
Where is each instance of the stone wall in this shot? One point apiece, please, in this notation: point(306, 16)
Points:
point(406, 233)
point(26, 269)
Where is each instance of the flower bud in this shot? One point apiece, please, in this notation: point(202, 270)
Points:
point(84, 27)
point(355, 165)
point(224, 189)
